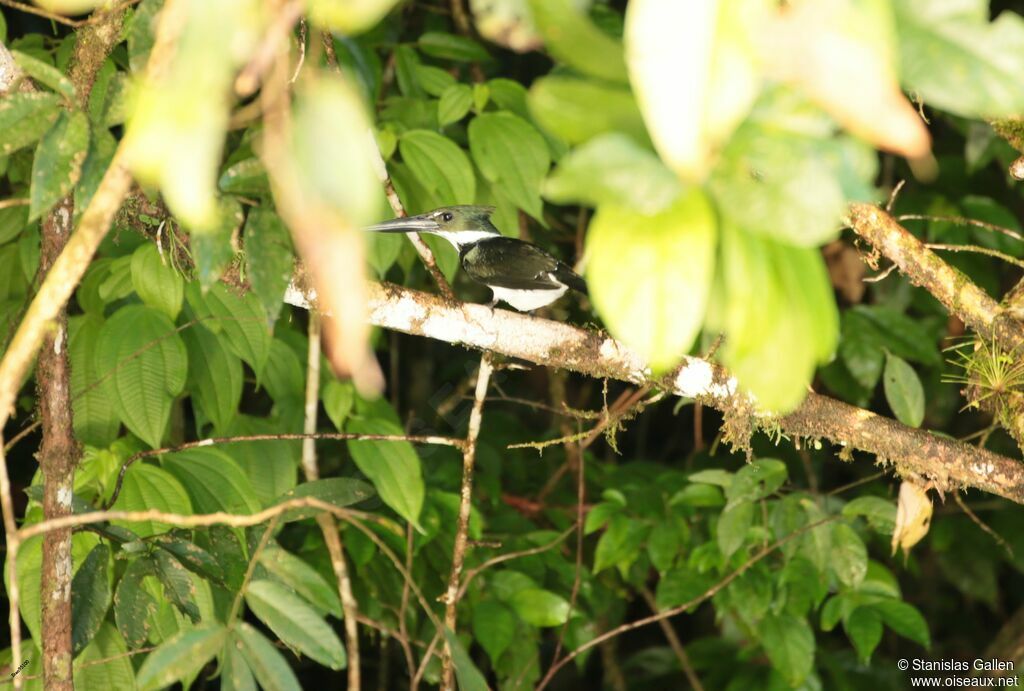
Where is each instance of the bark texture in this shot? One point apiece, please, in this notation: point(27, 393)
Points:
point(59, 452)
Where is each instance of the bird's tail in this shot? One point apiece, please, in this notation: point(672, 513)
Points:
point(571, 279)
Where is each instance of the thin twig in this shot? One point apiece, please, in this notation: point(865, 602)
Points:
point(502, 558)
point(328, 526)
point(483, 378)
point(17, 201)
point(668, 613)
point(960, 220)
point(983, 525)
point(978, 249)
point(236, 605)
point(336, 436)
point(674, 642)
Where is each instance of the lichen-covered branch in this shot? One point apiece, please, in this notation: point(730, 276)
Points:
point(948, 462)
point(957, 293)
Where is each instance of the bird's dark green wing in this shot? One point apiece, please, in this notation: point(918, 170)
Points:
point(510, 263)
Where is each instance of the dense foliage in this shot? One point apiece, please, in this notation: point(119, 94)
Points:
point(694, 176)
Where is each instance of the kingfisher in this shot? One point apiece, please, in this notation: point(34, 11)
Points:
point(517, 272)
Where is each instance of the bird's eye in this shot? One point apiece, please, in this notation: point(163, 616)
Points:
point(447, 216)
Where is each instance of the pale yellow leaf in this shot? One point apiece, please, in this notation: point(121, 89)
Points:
point(913, 516)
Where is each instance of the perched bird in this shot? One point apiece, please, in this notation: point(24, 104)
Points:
point(517, 272)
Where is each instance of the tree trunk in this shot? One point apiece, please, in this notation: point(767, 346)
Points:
point(59, 452)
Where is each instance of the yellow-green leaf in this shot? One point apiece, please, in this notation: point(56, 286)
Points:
point(156, 281)
point(571, 37)
point(650, 275)
point(349, 16)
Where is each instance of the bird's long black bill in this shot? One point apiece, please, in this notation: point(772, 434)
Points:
point(410, 224)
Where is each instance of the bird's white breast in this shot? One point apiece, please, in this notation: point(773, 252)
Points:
point(528, 300)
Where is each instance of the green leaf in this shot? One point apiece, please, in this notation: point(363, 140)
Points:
point(283, 376)
point(619, 545)
point(467, 674)
point(156, 281)
point(571, 37)
point(145, 363)
point(24, 117)
point(681, 585)
point(241, 319)
point(213, 480)
point(214, 375)
point(90, 598)
point(612, 168)
point(440, 166)
point(29, 572)
point(392, 466)
point(246, 177)
point(860, 350)
point(776, 306)
point(45, 74)
point(191, 556)
point(634, 278)
point(235, 674)
point(446, 46)
point(981, 60)
point(511, 154)
point(784, 175)
point(434, 80)
point(898, 333)
point(212, 246)
point(576, 110)
point(905, 620)
point(733, 525)
point(789, 643)
point(141, 33)
point(494, 627)
point(95, 420)
point(302, 578)
point(13, 220)
point(454, 104)
point(331, 128)
point(269, 666)
point(133, 605)
point(864, 628)
point(295, 622)
point(509, 94)
point(541, 608)
point(149, 487)
point(339, 491)
point(880, 513)
point(271, 466)
point(179, 588)
point(849, 555)
point(664, 545)
point(338, 397)
point(105, 663)
point(903, 391)
point(756, 480)
point(182, 656)
point(406, 62)
point(269, 259)
point(58, 162)
point(713, 476)
point(102, 146)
